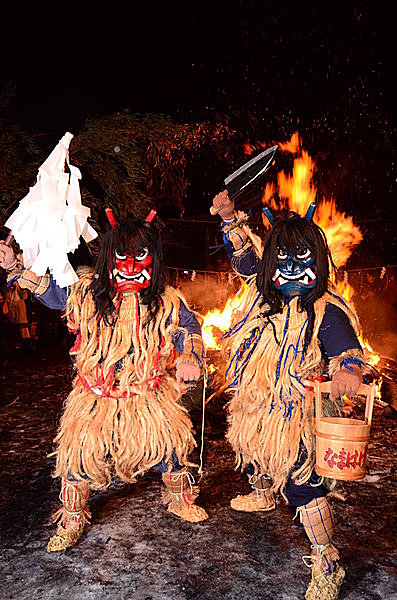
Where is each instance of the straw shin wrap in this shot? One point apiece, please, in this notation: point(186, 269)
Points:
point(270, 416)
point(124, 413)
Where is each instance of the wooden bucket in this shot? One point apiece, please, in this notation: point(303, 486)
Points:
point(341, 443)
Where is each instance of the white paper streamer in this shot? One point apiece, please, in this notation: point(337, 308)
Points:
point(50, 219)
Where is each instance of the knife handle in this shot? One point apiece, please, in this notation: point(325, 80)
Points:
point(214, 210)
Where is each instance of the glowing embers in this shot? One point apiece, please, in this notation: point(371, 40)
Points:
point(133, 272)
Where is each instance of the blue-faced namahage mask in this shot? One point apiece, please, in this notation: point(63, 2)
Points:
point(296, 271)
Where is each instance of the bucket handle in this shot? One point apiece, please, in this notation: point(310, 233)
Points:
point(364, 389)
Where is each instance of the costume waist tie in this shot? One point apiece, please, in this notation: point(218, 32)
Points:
point(153, 383)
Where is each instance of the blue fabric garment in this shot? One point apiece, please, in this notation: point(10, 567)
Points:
point(163, 466)
point(336, 334)
point(54, 297)
point(187, 320)
point(244, 264)
point(298, 495)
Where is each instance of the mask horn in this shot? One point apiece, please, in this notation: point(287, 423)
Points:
point(310, 212)
point(268, 214)
point(111, 217)
point(151, 216)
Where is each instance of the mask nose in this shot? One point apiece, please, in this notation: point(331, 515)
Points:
point(130, 265)
point(290, 264)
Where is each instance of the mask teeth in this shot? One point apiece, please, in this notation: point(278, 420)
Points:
point(146, 274)
point(310, 273)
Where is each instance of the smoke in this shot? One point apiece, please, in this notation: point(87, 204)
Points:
point(208, 291)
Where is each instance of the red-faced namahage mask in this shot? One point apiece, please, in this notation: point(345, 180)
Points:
point(133, 272)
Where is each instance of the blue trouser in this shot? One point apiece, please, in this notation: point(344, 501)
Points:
point(298, 495)
point(162, 467)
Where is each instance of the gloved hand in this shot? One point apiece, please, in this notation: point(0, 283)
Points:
point(227, 210)
point(345, 382)
point(7, 256)
point(187, 372)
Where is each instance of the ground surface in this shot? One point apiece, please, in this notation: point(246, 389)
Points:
point(135, 549)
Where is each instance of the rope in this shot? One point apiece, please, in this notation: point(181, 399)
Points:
point(202, 425)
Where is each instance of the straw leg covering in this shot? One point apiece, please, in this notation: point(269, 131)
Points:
point(100, 436)
point(179, 495)
point(327, 576)
point(261, 499)
point(72, 516)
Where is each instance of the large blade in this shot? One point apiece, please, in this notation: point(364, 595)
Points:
point(242, 178)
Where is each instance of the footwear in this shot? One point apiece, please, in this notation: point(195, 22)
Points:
point(180, 494)
point(65, 538)
point(325, 586)
point(72, 516)
point(261, 498)
point(256, 501)
point(327, 575)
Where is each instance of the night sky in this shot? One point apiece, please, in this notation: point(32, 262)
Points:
point(269, 68)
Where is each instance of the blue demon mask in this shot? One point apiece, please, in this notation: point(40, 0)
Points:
point(296, 271)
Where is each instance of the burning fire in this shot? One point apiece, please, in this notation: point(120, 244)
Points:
point(220, 319)
point(296, 192)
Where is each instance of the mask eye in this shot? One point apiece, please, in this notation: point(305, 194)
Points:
point(120, 256)
point(303, 253)
point(143, 254)
point(282, 254)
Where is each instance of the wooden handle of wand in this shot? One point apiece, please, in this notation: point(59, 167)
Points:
point(9, 239)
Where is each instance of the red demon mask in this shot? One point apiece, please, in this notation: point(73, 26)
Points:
point(133, 272)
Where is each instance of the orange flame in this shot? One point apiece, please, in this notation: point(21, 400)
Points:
point(221, 319)
point(297, 191)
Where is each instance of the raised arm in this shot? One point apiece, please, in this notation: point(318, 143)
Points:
point(238, 245)
point(44, 288)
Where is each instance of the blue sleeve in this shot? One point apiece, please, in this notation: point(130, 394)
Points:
point(54, 297)
point(188, 321)
point(336, 334)
point(244, 264)
point(247, 263)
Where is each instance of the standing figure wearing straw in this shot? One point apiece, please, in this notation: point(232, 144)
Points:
point(137, 342)
point(291, 324)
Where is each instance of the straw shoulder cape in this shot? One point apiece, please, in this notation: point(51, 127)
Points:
point(269, 414)
point(124, 414)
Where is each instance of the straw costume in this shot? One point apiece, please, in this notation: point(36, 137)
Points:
point(136, 343)
point(292, 322)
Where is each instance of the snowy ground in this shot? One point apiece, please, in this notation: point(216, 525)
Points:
point(136, 550)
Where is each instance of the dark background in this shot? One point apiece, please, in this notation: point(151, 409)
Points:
point(267, 69)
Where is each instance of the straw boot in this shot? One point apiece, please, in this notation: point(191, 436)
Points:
point(72, 516)
point(327, 576)
point(180, 494)
point(261, 498)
